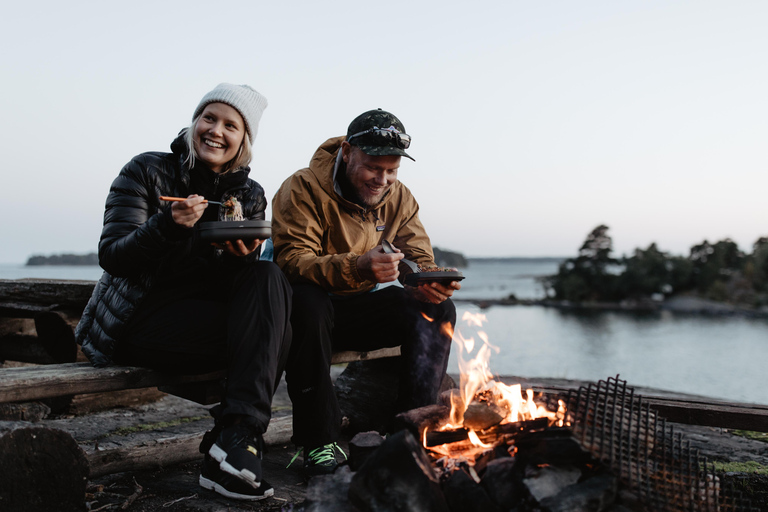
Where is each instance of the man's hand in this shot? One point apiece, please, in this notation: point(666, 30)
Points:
point(434, 292)
point(378, 266)
point(239, 247)
point(187, 213)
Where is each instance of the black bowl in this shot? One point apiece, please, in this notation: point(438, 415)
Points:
point(223, 230)
point(417, 278)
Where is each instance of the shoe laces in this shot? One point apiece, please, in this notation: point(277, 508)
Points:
point(321, 455)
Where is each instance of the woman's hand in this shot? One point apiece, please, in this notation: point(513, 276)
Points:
point(187, 213)
point(239, 247)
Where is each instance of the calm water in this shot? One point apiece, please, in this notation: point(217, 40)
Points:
point(721, 357)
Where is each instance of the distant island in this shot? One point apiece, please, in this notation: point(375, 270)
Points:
point(63, 259)
point(717, 271)
point(443, 258)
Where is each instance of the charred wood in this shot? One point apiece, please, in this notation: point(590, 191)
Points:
point(509, 430)
point(464, 494)
point(362, 446)
point(398, 476)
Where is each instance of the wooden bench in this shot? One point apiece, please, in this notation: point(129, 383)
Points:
point(37, 318)
point(53, 380)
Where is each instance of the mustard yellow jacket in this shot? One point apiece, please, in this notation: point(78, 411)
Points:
point(318, 235)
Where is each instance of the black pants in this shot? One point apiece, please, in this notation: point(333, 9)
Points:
point(386, 318)
point(238, 321)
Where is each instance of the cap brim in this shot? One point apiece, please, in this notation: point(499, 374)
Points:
point(384, 151)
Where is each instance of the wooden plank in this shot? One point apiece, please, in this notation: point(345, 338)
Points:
point(350, 355)
point(712, 414)
point(36, 382)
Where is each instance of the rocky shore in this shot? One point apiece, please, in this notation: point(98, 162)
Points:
point(175, 488)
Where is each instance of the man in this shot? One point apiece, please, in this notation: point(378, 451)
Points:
point(328, 223)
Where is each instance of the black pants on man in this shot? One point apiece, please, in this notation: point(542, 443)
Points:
point(237, 320)
point(324, 323)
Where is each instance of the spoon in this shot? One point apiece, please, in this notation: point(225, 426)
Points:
point(391, 250)
point(168, 198)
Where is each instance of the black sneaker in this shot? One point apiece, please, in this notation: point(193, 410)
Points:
point(214, 479)
point(238, 451)
point(322, 460)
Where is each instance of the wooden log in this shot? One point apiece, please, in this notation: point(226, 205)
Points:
point(35, 382)
point(712, 414)
point(41, 469)
point(28, 411)
point(171, 450)
point(416, 421)
point(438, 437)
point(58, 293)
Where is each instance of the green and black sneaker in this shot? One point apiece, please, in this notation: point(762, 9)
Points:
point(321, 460)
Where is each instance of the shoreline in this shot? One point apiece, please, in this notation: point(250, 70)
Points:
point(680, 304)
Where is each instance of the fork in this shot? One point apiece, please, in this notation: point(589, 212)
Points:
point(169, 198)
point(389, 249)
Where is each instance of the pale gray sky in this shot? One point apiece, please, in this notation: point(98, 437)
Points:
point(532, 122)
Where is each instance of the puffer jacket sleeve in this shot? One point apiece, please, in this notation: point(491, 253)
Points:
point(136, 233)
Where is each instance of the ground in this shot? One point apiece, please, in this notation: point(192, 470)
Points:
point(176, 488)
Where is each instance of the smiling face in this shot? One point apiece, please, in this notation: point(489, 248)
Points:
point(218, 135)
point(371, 176)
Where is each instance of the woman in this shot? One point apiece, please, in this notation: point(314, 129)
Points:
point(169, 301)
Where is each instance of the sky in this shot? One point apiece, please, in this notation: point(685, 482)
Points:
point(532, 122)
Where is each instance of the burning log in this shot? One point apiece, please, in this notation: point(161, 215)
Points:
point(482, 415)
point(416, 421)
point(506, 430)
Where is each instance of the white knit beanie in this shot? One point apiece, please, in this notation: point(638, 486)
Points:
point(243, 98)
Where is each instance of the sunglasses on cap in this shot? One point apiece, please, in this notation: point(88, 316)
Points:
point(381, 137)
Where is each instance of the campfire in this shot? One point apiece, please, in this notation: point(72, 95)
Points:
point(491, 446)
point(483, 411)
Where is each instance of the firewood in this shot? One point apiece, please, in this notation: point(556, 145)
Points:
point(427, 418)
point(435, 438)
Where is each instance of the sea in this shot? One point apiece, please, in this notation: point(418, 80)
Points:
point(721, 357)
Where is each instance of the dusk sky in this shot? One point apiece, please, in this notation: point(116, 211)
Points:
point(532, 122)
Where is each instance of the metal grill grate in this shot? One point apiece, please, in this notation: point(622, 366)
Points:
point(653, 460)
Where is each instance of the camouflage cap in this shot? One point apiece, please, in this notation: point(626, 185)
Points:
point(378, 146)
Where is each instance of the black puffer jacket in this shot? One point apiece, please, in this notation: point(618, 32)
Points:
point(140, 241)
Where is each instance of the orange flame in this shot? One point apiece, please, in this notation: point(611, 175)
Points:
point(476, 378)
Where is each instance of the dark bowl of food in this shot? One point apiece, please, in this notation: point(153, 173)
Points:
point(443, 275)
point(221, 231)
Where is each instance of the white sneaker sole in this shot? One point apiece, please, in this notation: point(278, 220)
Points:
point(205, 483)
point(243, 474)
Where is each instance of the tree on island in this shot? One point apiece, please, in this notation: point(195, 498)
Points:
point(587, 277)
point(718, 271)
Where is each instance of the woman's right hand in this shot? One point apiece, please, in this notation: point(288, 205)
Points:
point(187, 213)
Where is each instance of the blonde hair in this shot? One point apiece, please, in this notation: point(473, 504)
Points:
point(242, 158)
